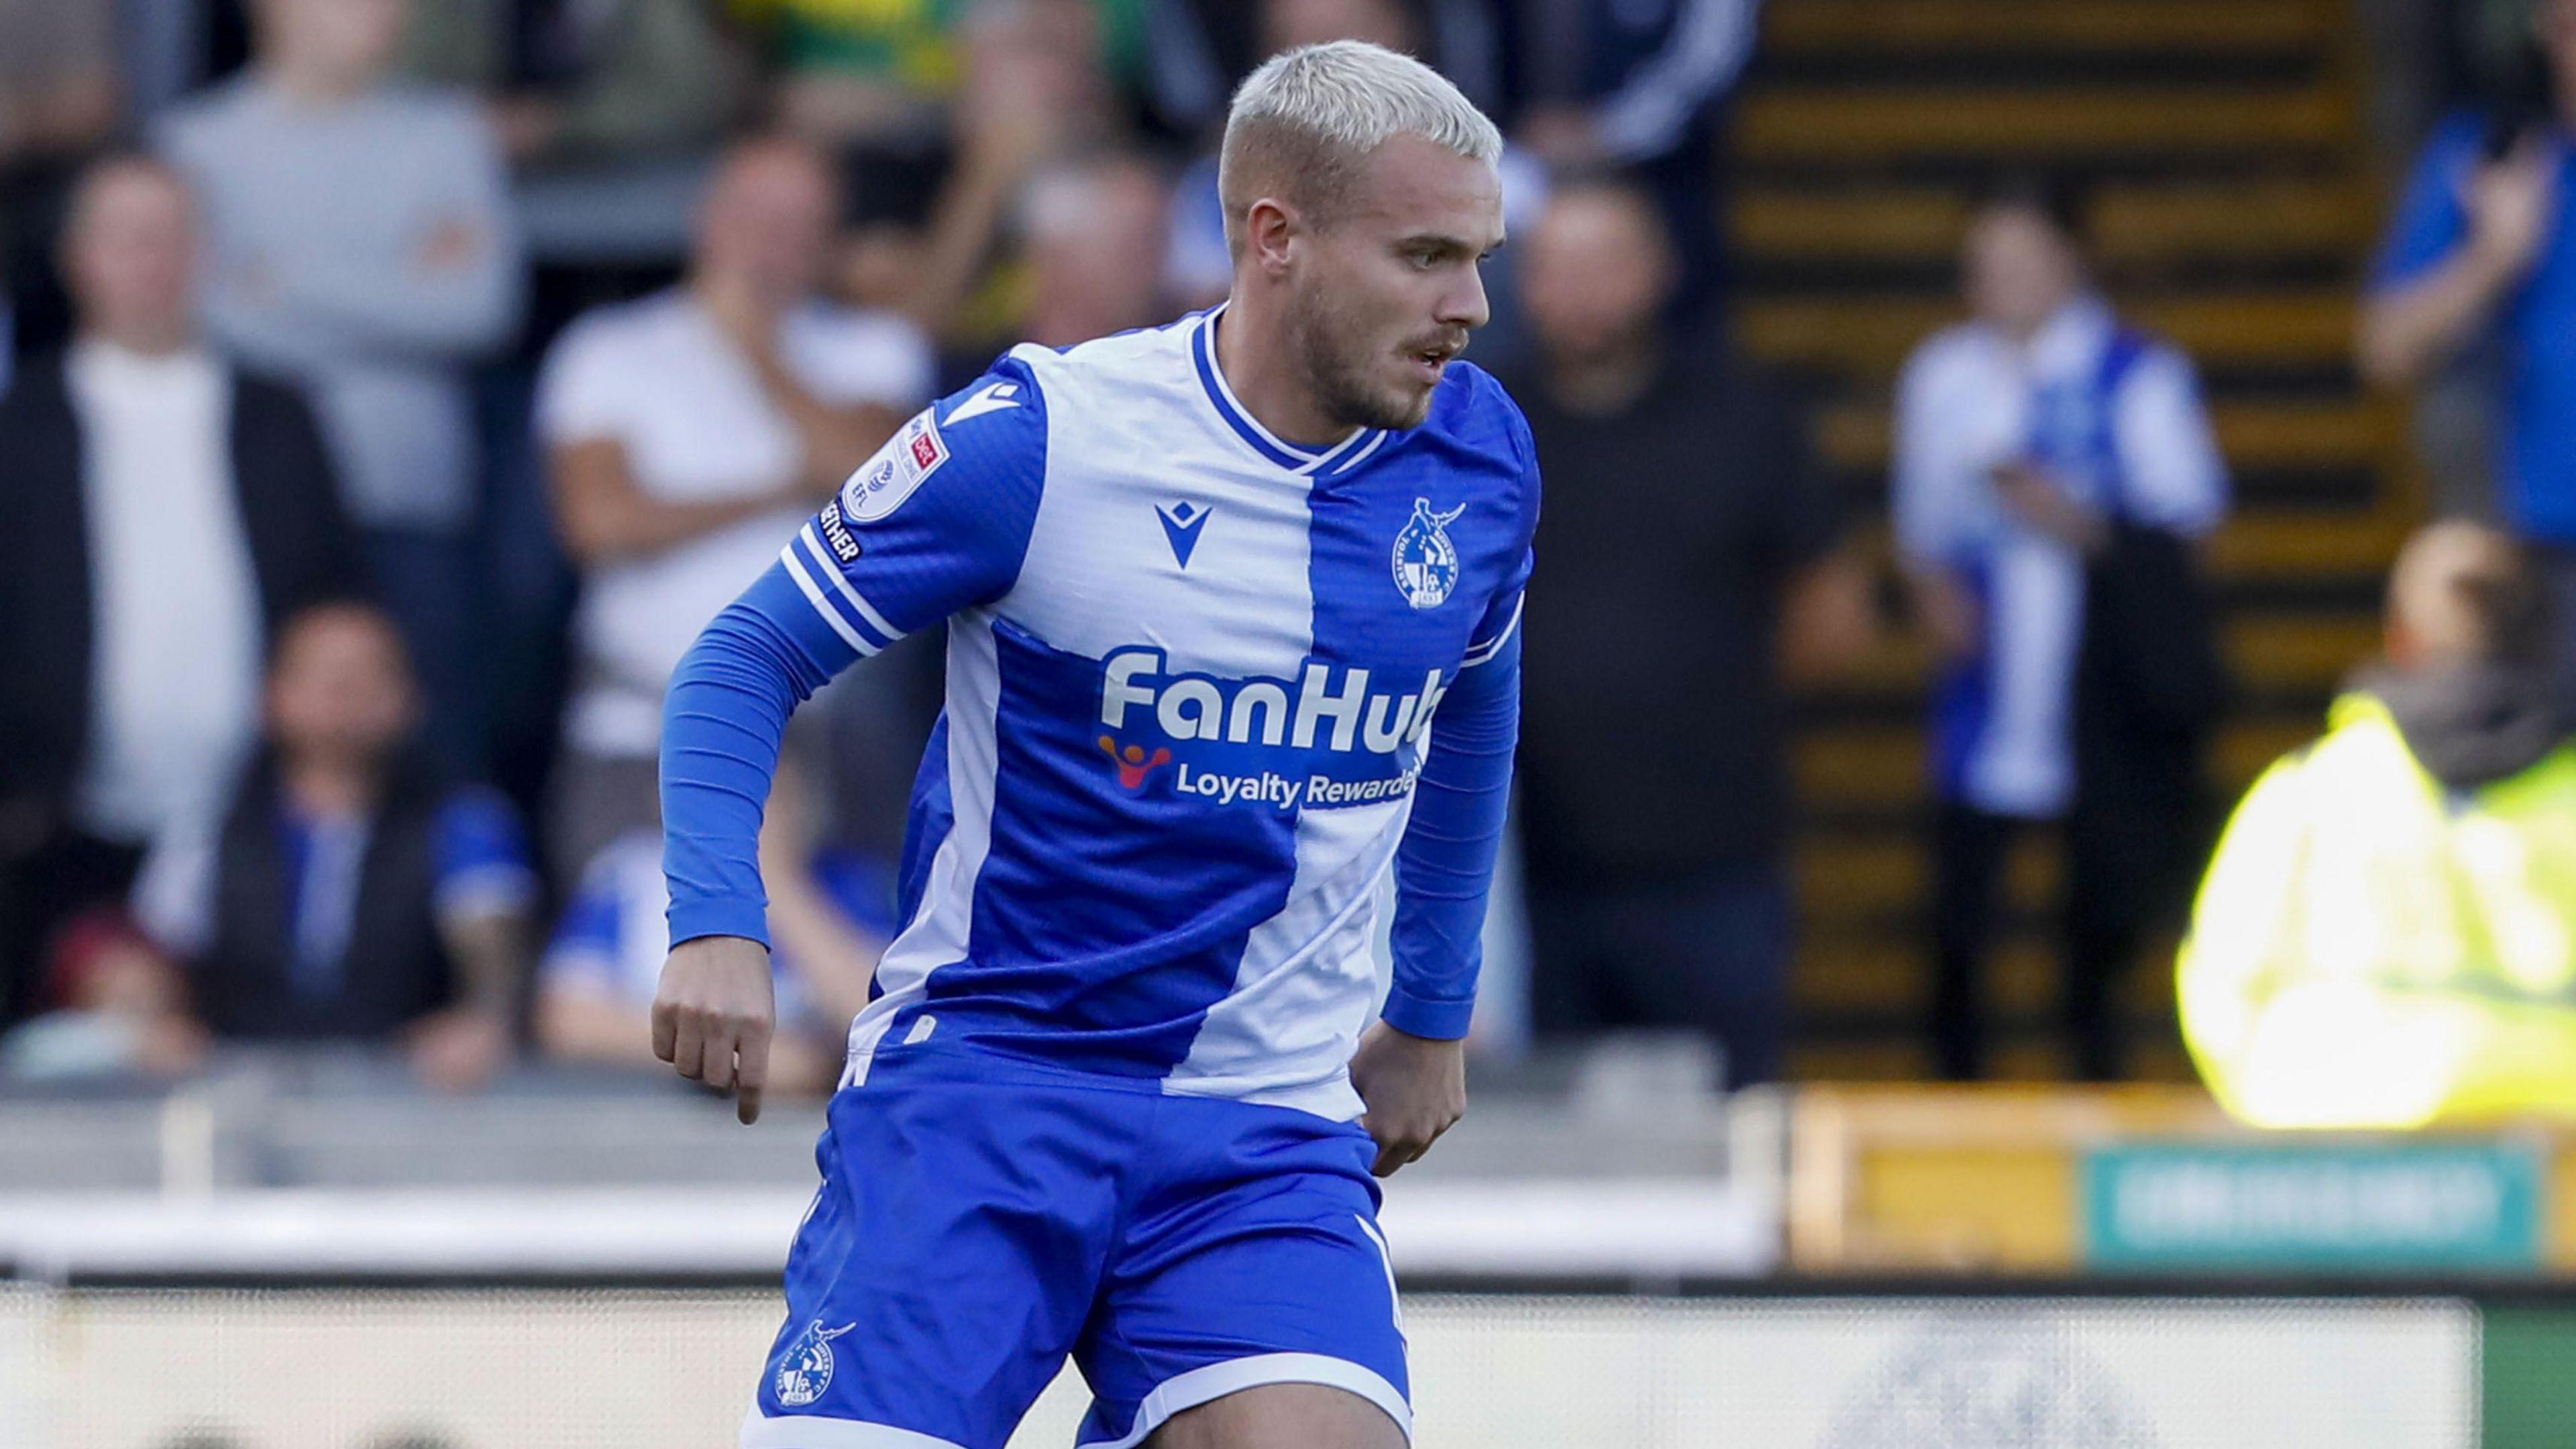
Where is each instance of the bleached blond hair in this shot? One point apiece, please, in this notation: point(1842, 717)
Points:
point(1303, 124)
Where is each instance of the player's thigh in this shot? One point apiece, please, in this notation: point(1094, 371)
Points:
point(1282, 1416)
point(946, 1267)
point(1256, 1264)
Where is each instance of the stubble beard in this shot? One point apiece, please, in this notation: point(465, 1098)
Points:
point(1336, 361)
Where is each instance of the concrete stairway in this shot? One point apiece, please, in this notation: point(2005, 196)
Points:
point(2233, 199)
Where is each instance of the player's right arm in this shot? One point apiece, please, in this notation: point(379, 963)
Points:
point(937, 522)
point(2467, 233)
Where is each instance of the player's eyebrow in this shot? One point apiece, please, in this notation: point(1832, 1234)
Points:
point(1447, 246)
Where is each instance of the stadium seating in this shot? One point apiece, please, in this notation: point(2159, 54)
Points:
point(2232, 194)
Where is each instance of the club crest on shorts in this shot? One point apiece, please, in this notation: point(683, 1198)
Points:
point(805, 1370)
point(1426, 562)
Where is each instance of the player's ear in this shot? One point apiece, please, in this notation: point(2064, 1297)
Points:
point(1269, 226)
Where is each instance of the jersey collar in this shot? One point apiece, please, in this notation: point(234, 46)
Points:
point(1332, 461)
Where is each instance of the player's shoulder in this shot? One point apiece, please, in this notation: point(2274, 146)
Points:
point(1116, 377)
point(450, 114)
point(1472, 411)
point(995, 427)
point(2456, 139)
point(1954, 345)
point(2140, 354)
point(1962, 353)
point(211, 127)
point(1121, 363)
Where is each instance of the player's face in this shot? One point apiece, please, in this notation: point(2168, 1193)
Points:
point(341, 686)
point(1595, 272)
point(131, 255)
point(2019, 268)
point(355, 39)
point(768, 220)
point(1394, 287)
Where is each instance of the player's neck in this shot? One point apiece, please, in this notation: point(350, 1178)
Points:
point(328, 787)
point(1265, 380)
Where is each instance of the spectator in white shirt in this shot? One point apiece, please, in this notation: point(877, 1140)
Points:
point(167, 511)
point(688, 437)
point(2042, 449)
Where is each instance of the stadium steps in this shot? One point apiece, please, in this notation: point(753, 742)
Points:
point(2218, 28)
point(1869, 336)
point(1859, 124)
point(2139, 225)
point(2233, 199)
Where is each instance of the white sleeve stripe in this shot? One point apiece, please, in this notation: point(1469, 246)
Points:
point(842, 586)
point(822, 606)
point(1484, 653)
point(818, 566)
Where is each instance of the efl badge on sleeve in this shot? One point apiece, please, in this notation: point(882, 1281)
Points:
point(886, 480)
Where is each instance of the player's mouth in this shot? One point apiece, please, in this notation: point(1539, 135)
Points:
point(1428, 363)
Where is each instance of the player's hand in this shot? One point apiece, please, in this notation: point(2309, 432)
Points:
point(713, 1016)
point(2042, 502)
point(2512, 204)
point(1414, 1088)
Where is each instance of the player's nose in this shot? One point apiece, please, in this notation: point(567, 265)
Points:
point(1464, 305)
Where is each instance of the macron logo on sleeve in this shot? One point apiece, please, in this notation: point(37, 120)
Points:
point(1181, 524)
point(992, 399)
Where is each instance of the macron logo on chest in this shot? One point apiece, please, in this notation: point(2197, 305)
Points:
point(1182, 523)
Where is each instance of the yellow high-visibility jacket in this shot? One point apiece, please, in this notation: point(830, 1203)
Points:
point(2373, 949)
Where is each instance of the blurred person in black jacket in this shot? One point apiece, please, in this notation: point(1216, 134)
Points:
point(58, 101)
point(349, 893)
point(1697, 565)
point(167, 511)
point(2054, 468)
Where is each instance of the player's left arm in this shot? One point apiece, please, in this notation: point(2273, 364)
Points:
point(1411, 1069)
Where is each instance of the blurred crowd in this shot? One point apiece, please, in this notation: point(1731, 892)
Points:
point(393, 390)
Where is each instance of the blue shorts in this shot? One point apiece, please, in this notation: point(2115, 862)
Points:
point(981, 1218)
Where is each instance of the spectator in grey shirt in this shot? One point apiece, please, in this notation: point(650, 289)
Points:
point(360, 240)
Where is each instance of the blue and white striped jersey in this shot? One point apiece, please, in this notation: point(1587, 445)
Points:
point(1193, 673)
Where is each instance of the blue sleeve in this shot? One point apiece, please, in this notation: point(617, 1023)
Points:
point(1444, 869)
point(2430, 221)
point(482, 856)
point(936, 523)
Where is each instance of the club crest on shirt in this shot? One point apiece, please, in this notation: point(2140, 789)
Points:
point(1426, 562)
point(805, 1370)
point(886, 480)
